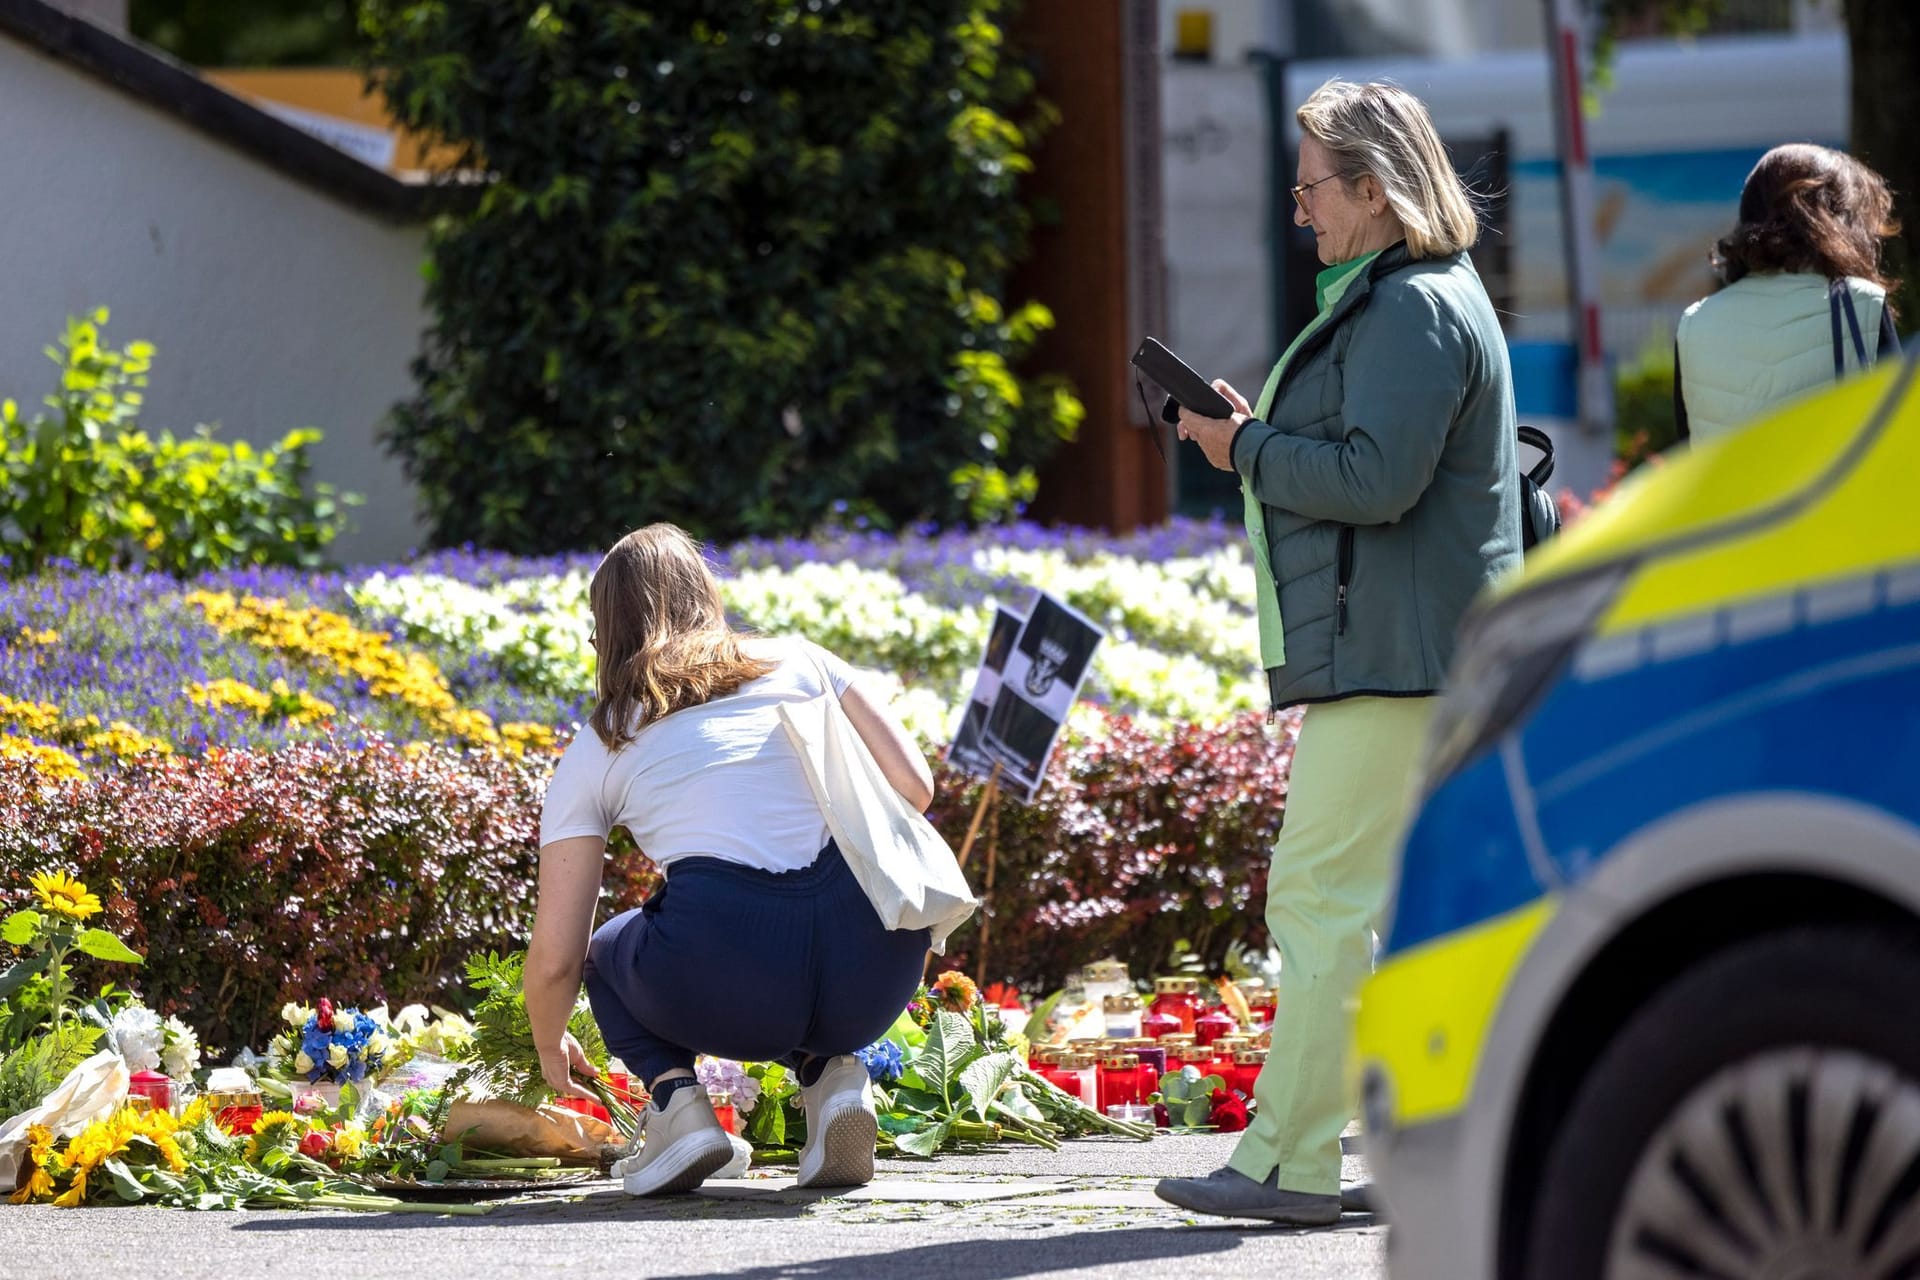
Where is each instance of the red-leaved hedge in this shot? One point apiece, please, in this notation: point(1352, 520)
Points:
point(252, 879)
point(1140, 841)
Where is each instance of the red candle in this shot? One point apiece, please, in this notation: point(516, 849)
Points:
point(1155, 1024)
point(154, 1087)
point(1119, 1080)
point(1212, 1024)
point(1170, 1000)
point(1246, 1069)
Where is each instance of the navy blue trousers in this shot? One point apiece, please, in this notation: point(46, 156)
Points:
point(758, 966)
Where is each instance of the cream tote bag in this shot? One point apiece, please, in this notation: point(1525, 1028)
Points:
point(907, 870)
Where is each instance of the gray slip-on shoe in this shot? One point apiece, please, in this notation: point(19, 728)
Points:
point(1228, 1193)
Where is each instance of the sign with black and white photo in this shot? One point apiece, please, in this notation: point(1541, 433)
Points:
point(969, 750)
point(1038, 684)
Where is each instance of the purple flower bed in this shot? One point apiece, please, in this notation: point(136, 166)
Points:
point(129, 644)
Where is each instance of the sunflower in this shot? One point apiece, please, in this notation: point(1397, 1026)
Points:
point(63, 895)
point(74, 1196)
point(39, 1184)
point(275, 1129)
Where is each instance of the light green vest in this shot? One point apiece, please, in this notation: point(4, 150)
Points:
point(1329, 287)
point(1763, 340)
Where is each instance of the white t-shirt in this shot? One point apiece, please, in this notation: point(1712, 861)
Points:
point(721, 779)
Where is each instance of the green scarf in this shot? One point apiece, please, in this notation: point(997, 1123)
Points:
point(1329, 287)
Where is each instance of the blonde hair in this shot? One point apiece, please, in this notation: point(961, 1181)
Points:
point(661, 632)
point(1382, 130)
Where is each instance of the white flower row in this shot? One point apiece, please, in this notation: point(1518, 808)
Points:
point(1181, 642)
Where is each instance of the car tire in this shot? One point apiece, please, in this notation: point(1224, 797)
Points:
point(1759, 1116)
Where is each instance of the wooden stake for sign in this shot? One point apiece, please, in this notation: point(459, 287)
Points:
point(986, 893)
point(988, 794)
point(989, 799)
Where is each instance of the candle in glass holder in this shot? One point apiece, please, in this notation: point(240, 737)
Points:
point(152, 1088)
point(1154, 1023)
point(1170, 1000)
point(1211, 1024)
point(1120, 1079)
point(1246, 1069)
point(237, 1111)
point(1153, 1058)
point(1079, 1069)
point(1180, 1048)
point(1195, 991)
point(1260, 1001)
point(723, 1110)
point(1123, 1016)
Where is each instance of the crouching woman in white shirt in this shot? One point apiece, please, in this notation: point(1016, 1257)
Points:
point(760, 946)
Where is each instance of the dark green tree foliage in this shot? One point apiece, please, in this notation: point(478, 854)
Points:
point(737, 263)
point(248, 33)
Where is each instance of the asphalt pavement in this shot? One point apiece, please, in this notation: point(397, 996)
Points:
point(1087, 1210)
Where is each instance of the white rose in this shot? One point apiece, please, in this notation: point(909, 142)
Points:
point(295, 1015)
point(303, 1063)
point(336, 1056)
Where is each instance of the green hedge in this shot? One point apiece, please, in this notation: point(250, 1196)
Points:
point(737, 264)
point(85, 484)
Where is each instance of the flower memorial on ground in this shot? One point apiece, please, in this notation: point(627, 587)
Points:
point(300, 794)
point(77, 1128)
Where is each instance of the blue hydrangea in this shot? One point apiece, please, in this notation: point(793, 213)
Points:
point(883, 1061)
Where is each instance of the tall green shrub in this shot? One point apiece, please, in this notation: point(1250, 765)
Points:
point(736, 262)
point(86, 484)
point(1644, 423)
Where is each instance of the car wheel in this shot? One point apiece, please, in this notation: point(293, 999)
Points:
point(1758, 1119)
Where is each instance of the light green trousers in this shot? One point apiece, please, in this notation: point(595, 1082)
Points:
point(1348, 796)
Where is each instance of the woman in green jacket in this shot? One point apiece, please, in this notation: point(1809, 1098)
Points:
point(1382, 494)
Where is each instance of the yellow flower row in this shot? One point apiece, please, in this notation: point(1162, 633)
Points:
point(49, 762)
point(331, 640)
point(276, 701)
point(119, 740)
point(42, 718)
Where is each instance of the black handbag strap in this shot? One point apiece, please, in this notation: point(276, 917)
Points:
point(1839, 298)
point(1542, 470)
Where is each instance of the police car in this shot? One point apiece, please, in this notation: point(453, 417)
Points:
point(1649, 1001)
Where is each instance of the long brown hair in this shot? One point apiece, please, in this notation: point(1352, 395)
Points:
point(1809, 209)
point(661, 633)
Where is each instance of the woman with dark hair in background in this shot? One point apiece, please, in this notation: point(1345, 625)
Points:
point(1806, 297)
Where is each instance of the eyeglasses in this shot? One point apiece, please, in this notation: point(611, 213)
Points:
point(1300, 192)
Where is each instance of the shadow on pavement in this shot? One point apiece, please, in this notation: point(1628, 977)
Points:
point(1006, 1259)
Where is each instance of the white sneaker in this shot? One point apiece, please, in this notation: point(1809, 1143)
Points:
point(678, 1148)
point(841, 1127)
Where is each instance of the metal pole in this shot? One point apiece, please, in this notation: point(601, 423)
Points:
point(1566, 57)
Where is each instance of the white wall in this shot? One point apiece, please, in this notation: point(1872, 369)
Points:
point(111, 14)
point(272, 305)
